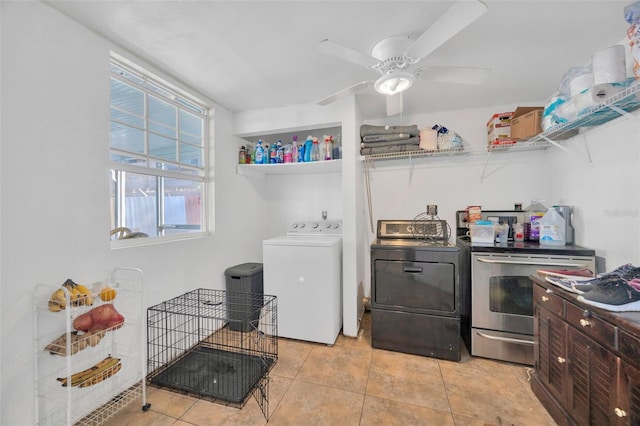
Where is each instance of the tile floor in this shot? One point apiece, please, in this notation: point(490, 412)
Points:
point(351, 383)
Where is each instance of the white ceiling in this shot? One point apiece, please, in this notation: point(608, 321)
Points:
point(258, 54)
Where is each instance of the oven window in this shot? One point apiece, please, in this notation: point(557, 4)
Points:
point(511, 294)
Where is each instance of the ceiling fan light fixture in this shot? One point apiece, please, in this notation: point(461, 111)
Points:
point(394, 82)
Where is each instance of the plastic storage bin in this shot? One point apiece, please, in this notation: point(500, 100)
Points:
point(245, 292)
point(482, 234)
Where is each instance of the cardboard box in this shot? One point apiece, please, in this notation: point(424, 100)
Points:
point(499, 129)
point(526, 122)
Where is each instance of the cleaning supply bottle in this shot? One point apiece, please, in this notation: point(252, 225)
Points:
point(315, 150)
point(279, 152)
point(294, 149)
point(259, 155)
point(328, 148)
point(287, 153)
point(534, 212)
point(273, 154)
point(308, 144)
point(552, 229)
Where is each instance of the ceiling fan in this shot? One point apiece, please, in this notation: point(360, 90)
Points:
point(392, 57)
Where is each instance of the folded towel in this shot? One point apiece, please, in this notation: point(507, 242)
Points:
point(383, 138)
point(429, 139)
point(367, 130)
point(411, 141)
point(389, 149)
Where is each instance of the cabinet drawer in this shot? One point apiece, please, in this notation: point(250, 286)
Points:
point(547, 299)
point(629, 348)
point(594, 327)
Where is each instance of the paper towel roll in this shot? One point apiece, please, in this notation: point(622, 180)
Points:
point(580, 83)
point(579, 103)
point(609, 65)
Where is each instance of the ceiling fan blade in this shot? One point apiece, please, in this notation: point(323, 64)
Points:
point(458, 17)
point(344, 92)
point(348, 54)
point(459, 75)
point(394, 104)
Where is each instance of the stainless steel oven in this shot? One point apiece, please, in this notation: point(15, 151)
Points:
point(502, 300)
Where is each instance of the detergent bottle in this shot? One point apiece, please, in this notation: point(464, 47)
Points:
point(552, 229)
point(308, 144)
point(273, 153)
point(279, 152)
point(259, 155)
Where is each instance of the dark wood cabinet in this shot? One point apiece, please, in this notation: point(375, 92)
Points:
point(586, 360)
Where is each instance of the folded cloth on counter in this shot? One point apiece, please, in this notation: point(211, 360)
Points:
point(390, 137)
point(411, 141)
point(368, 130)
point(388, 149)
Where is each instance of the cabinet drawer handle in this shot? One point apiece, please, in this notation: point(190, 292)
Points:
point(585, 323)
point(545, 299)
point(620, 413)
point(561, 360)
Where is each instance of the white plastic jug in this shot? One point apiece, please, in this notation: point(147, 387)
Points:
point(552, 229)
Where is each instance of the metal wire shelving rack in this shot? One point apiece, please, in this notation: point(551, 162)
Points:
point(620, 104)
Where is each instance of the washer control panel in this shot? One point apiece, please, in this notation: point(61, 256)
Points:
point(315, 227)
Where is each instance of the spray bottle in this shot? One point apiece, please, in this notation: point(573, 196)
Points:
point(328, 148)
point(315, 150)
point(294, 149)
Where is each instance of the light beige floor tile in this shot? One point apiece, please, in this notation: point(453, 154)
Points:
point(134, 416)
point(340, 367)
point(384, 412)
point(291, 356)
point(311, 404)
point(498, 396)
point(167, 402)
point(408, 379)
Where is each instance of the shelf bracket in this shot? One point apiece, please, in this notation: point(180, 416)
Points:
point(411, 168)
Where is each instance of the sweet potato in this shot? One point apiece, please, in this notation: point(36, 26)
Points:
point(99, 318)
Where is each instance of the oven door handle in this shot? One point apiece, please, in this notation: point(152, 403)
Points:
point(412, 269)
point(505, 339)
point(520, 262)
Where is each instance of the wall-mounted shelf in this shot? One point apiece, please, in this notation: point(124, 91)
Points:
point(260, 171)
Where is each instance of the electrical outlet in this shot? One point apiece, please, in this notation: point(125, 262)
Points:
point(432, 209)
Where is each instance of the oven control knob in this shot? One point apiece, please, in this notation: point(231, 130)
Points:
point(294, 226)
point(301, 225)
point(314, 225)
point(328, 226)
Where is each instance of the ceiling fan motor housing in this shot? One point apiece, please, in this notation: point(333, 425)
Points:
point(390, 52)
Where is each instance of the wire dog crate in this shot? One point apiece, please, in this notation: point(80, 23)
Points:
point(214, 344)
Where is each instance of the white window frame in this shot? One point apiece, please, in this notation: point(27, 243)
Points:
point(198, 174)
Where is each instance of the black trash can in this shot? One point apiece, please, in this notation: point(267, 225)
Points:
point(245, 296)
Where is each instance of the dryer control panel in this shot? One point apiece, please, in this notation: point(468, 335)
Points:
point(315, 227)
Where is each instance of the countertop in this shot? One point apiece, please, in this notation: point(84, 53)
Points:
point(526, 247)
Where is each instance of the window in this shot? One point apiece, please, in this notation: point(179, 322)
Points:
point(158, 153)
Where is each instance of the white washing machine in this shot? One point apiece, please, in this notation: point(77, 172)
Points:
point(304, 270)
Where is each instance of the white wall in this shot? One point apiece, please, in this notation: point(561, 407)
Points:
point(606, 192)
point(54, 189)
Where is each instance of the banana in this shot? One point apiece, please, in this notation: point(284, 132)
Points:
point(84, 375)
point(74, 292)
point(58, 301)
point(99, 377)
point(87, 296)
